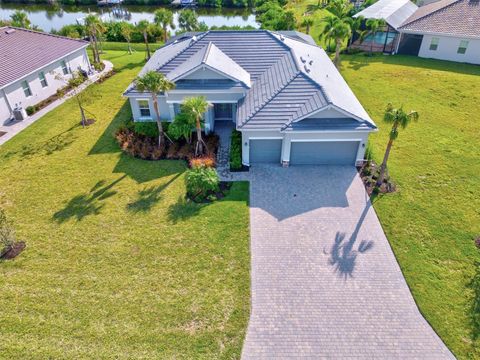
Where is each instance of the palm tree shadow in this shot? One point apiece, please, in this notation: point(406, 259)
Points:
point(148, 197)
point(343, 256)
point(183, 209)
point(87, 204)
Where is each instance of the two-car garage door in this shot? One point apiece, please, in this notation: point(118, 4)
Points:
point(305, 153)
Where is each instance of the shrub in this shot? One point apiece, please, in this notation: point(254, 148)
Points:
point(7, 234)
point(99, 66)
point(207, 161)
point(149, 129)
point(236, 150)
point(369, 152)
point(201, 182)
point(30, 110)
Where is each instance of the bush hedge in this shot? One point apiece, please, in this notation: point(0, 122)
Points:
point(236, 150)
point(201, 182)
point(149, 129)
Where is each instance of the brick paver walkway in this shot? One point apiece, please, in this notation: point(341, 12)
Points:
point(325, 283)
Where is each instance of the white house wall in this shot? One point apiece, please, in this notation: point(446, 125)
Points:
point(4, 109)
point(447, 49)
point(16, 95)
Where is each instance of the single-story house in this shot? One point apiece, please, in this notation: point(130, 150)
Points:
point(446, 30)
point(29, 62)
point(394, 13)
point(281, 91)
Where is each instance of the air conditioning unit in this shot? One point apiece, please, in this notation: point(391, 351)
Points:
point(19, 114)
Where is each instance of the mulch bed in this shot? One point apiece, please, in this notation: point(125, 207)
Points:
point(224, 187)
point(369, 172)
point(14, 250)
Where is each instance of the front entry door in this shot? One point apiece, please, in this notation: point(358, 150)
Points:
point(223, 111)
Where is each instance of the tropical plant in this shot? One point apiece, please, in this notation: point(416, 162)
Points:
point(200, 181)
point(355, 26)
point(272, 15)
point(318, 6)
point(155, 83)
point(182, 126)
point(145, 28)
point(20, 19)
point(338, 30)
point(373, 26)
point(164, 19)
point(94, 28)
point(188, 20)
point(399, 119)
point(126, 31)
point(307, 23)
point(195, 108)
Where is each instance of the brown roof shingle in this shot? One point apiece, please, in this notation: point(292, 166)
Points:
point(450, 17)
point(24, 51)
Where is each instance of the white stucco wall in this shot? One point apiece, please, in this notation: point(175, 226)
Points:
point(4, 109)
point(16, 96)
point(447, 49)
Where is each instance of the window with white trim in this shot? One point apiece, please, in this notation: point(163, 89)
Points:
point(26, 89)
point(64, 67)
point(434, 43)
point(43, 79)
point(144, 107)
point(462, 48)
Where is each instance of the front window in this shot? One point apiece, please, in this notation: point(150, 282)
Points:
point(462, 48)
point(64, 67)
point(144, 108)
point(26, 89)
point(42, 78)
point(434, 43)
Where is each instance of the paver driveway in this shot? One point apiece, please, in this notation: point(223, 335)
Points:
point(325, 283)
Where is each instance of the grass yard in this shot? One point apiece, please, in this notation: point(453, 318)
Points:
point(117, 264)
point(433, 219)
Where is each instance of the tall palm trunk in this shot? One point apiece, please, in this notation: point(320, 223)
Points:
point(307, 29)
point(383, 167)
point(129, 47)
point(96, 54)
point(161, 134)
point(338, 47)
point(199, 147)
point(145, 38)
point(165, 36)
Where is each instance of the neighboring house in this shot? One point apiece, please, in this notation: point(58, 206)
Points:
point(29, 62)
point(394, 13)
point(446, 30)
point(282, 91)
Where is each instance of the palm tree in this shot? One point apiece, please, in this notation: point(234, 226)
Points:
point(188, 20)
point(196, 107)
point(126, 31)
point(307, 23)
point(164, 19)
point(20, 19)
point(373, 25)
point(155, 83)
point(94, 27)
point(338, 30)
point(398, 118)
point(145, 28)
point(355, 25)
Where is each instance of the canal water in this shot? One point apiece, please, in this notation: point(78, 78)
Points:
point(54, 17)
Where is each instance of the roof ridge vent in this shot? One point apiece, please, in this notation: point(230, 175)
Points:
point(303, 59)
point(282, 37)
point(9, 31)
point(306, 68)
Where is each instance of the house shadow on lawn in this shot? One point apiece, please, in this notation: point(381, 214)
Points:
point(90, 203)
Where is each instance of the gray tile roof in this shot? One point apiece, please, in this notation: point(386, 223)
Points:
point(394, 12)
point(25, 51)
point(290, 77)
point(450, 17)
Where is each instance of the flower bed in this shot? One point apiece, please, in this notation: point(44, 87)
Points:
point(369, 172)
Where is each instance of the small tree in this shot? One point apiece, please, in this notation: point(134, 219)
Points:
point(182, 126)
point(74, 81)
point(307, 23)
point(188, 20)
point(399, 119)
point(126, 30)
point(145, 28)
point(155, 83)
point(7, 233)
point(374, 25)
point(20, 19)
point(94, 28)
point(164, 19)
point(195, 108)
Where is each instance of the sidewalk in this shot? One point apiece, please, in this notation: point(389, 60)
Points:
point(14, 127)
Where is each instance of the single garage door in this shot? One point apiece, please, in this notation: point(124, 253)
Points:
point(265, 151)
point(324, 153)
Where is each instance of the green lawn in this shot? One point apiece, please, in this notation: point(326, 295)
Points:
point(117, 264)
point(433, 218)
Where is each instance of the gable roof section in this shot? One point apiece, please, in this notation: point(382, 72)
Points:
point(290, 78)
point(449, 17)
point(213, 58)
point(25, 51)
point(394, 12)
